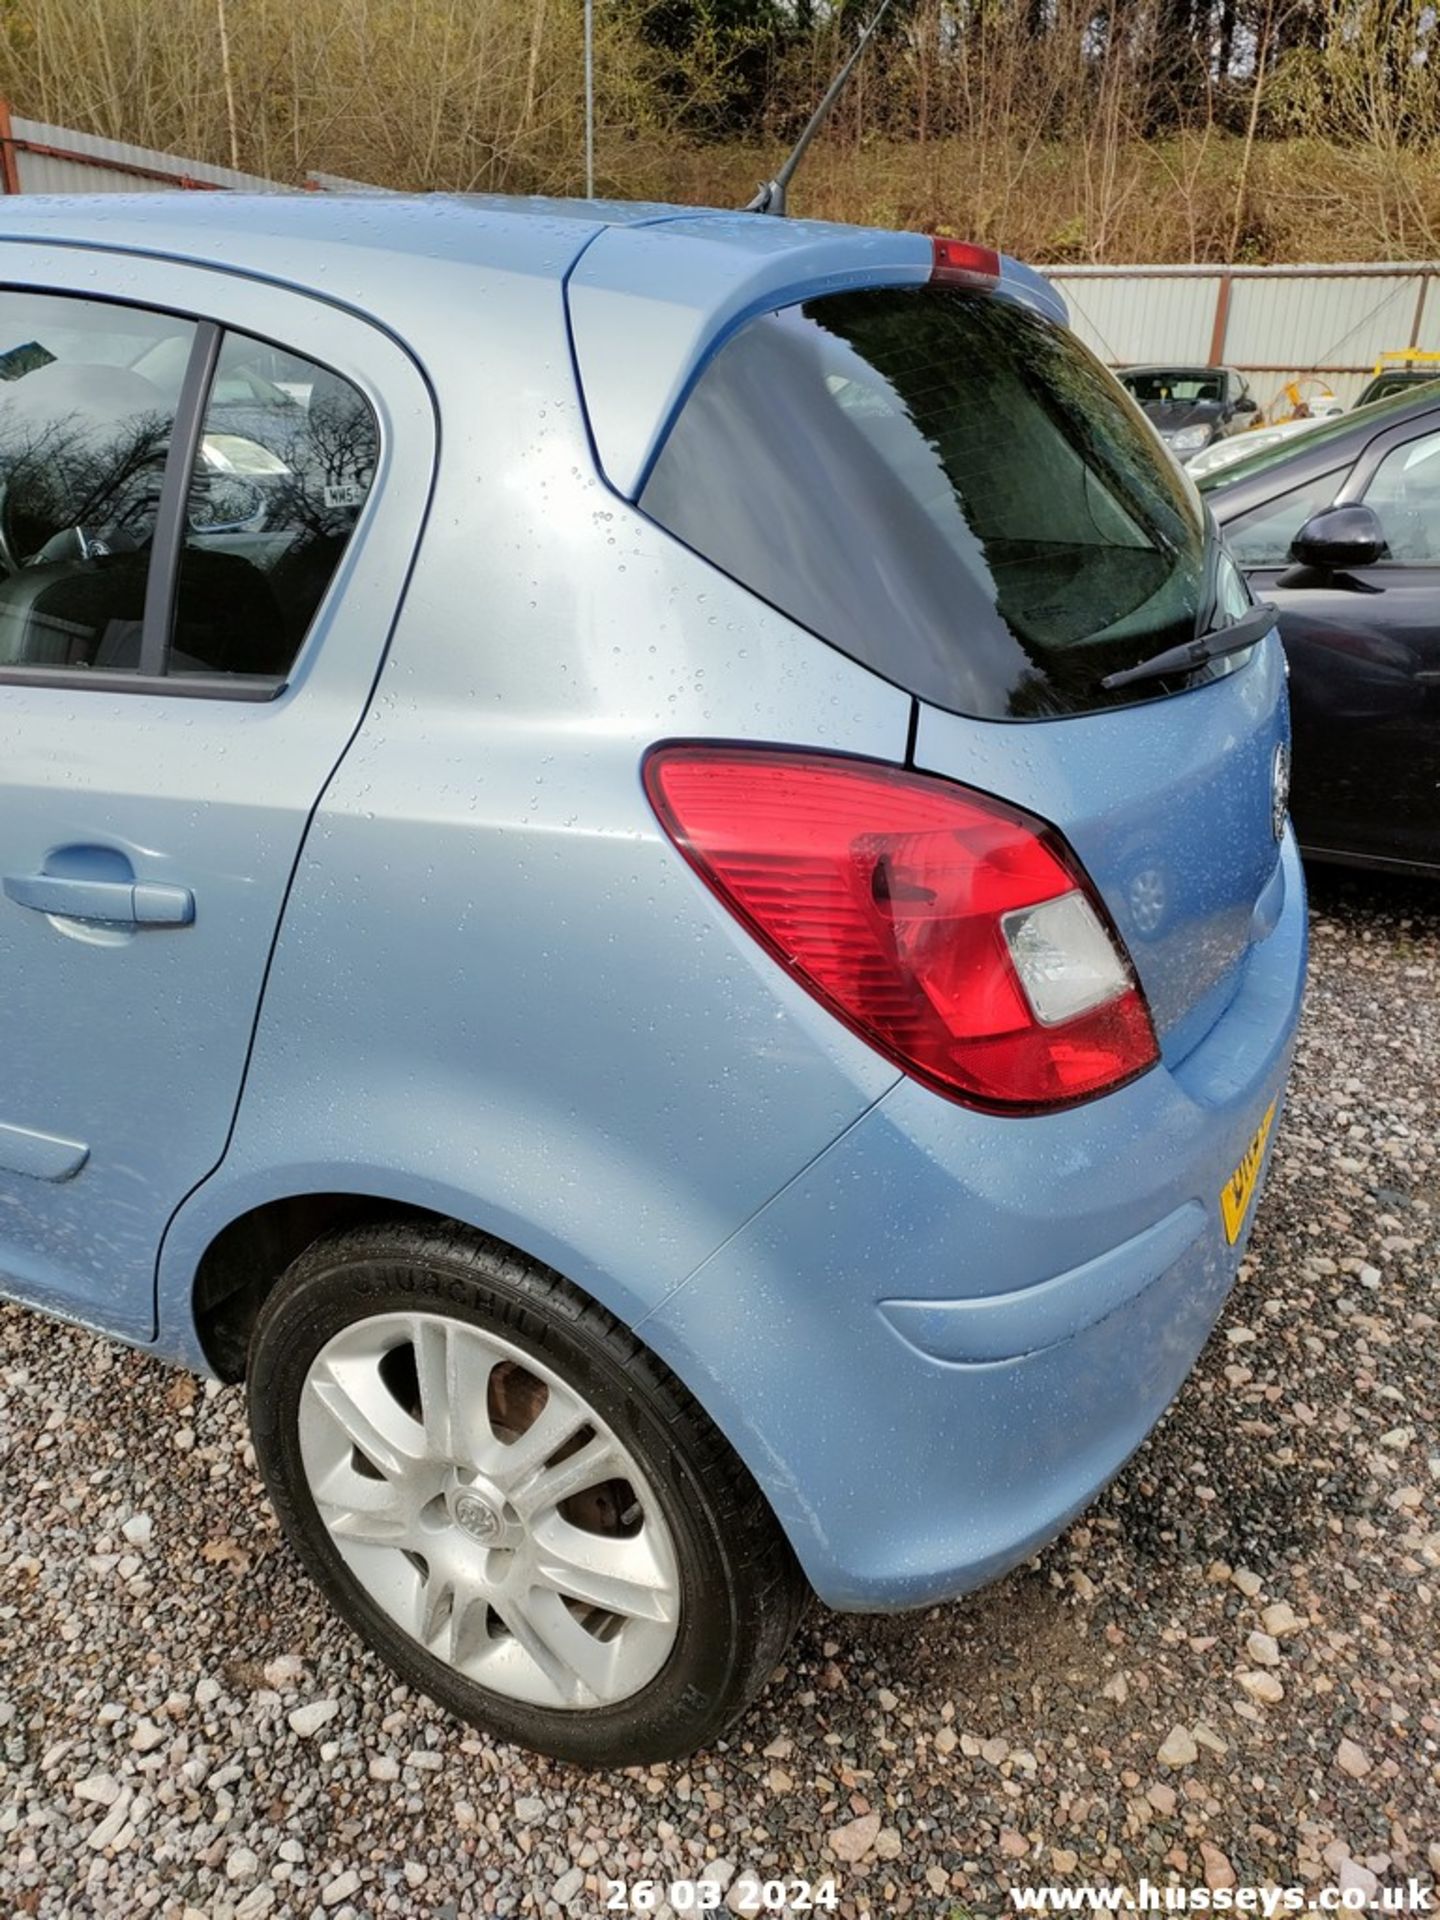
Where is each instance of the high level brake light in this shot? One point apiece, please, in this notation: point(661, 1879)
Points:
point(954, 933)
point(962, 263)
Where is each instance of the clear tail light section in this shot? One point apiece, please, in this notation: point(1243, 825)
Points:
point(956, 934)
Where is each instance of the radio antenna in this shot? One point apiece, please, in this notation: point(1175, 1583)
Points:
point(771, 197)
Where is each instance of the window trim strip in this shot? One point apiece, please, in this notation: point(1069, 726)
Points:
point(163, 575)
point(193, 686)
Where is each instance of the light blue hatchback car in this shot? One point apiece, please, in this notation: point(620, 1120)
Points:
point(645, 874)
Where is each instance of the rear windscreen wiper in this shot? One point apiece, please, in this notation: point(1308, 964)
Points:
point(1247, 631)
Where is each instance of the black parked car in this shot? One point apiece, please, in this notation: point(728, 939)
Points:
point(1340, 528)
point(1192, 406)
point(1401, 375)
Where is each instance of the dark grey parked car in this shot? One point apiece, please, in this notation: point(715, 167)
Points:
point(1192, 407)
point(1340, 528)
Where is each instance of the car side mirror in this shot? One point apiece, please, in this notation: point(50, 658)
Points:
point(1338, 538)
point(1247, 403)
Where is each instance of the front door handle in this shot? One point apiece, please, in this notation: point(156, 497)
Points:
point(124, 903)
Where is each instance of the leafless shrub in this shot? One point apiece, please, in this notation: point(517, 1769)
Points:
point(1065, 129)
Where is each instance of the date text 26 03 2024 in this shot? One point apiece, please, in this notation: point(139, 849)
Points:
point(748, 1894)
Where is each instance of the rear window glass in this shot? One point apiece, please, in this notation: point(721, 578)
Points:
point(947, 487)
point(1160, 385)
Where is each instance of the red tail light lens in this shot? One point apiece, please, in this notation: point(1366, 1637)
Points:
point(954, 933)
point(962, 263)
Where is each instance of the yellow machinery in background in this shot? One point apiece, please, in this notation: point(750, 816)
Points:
point(1294, 402)
point(1407, 357)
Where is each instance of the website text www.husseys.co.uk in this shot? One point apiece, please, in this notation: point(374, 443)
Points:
point(1269, 1903)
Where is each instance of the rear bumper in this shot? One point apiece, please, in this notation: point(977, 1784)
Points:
point(950, 1331)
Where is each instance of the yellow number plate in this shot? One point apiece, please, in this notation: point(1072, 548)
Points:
point(1239, 1190)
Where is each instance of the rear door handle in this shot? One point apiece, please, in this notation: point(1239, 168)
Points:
point(125, 903)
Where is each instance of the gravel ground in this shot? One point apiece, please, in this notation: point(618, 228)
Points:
point(1230, 1670)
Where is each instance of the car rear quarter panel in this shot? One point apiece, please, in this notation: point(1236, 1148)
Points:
point(498, 991)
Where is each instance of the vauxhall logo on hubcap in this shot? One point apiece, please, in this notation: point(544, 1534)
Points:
point(475, 1516)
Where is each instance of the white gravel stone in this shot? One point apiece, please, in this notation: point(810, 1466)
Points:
point(102, 1788)
point(855, 1839)
point(1280, 1619)
point(1353, 1878)
point(110, 1827)
point(307, 1721)
point(1263, 1648)
point(1178, 1748)
point(1263, 1686)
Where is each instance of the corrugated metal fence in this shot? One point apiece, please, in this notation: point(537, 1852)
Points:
point(36, 158)
point(1274, 323)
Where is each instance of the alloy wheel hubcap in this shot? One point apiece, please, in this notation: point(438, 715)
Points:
point(489, 1511)
point(479, 1513)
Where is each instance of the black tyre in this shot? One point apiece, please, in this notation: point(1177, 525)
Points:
point(512, 1501)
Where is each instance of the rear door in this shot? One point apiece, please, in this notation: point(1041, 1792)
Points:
point(212, 490)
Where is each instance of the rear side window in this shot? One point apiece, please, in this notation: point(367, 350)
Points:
point(285, 461)
point(945, 486)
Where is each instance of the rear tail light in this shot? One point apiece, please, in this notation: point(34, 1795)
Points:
point(963, 263)
point(953, 932)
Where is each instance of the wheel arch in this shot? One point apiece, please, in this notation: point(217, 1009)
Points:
point(244, 1262)
point(231, 1240)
